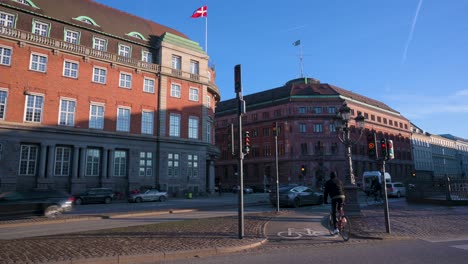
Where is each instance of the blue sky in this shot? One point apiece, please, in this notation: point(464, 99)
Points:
point(410, 54)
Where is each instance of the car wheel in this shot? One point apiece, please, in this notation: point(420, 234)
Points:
point(296, 203)
point(108, 200)
point(52, 211)
point(162, 198)
point(398, 195)
point(138, 200)
point(78, 201)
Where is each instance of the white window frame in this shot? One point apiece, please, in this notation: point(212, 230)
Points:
point(123, 119)
point(148, 85)
point(173, 165)
point(62, 161)
point(38, 62)
point(318, 128)
point(125, 51)
point(99, 75)
point(147, 56)
point(70, 69)
point(40, 28)
point(67, 116)
point(3, 103)
point(93, 162)
point(125, 80)
point(71, 36)
point(176, 62)
point(192, 165)
point(7, 19)
point(302, 128)
point(208, 101)
point(99, 44)
point(28, 160)
point(193, 127)
point(147, 122)
point(146, 164)
point(120, 163)
point(176, 90)
point(96, 120)
point(174, 125)
point(6, 54)
point(193, 94)
point(34, 108)
point(194, 67)
point(208, 132)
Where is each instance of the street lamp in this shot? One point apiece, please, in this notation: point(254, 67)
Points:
point(342, 125)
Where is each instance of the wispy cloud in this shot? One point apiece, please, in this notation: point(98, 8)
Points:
point(410, 37)
point(421, 106)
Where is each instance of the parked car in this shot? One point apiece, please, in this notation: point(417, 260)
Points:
point(147, 196)
point(49, 203)
point(95, 195)
point(296, 196)
point(396, 189)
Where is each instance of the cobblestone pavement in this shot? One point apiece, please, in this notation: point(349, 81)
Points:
point(159, 241)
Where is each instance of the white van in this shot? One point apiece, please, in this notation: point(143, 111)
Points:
point(367, 177)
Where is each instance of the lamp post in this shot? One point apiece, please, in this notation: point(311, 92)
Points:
point(342, 125)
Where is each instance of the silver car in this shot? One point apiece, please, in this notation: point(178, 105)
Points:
point(296, 196)
point(148, 196)
point(396, 189)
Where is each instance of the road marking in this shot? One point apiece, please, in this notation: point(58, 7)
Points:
point(464, 247)
point(294, 233)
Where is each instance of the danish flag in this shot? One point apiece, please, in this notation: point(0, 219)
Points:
point(200, 12)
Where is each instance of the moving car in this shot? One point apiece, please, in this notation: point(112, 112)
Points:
point(49, 203)
point(147, 196)
point(247, 189)
point(296, 196)
point(396, 189)
point(95, 195)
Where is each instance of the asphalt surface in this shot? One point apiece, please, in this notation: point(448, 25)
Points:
point(202, 237)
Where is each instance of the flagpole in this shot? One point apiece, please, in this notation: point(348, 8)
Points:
point(206, 34)
point(300, 58)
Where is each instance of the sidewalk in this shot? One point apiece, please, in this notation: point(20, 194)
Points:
point(153, 243)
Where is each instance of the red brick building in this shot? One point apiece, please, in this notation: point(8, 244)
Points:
point(91, 96)
point(304, 109)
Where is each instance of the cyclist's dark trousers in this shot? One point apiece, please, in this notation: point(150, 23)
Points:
point(336, 205)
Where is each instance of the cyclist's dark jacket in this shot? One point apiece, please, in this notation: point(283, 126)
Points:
point(334, 188)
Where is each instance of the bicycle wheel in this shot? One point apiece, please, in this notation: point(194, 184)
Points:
point(345, 228)
point(330, 224)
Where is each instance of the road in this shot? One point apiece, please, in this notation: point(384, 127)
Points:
point(391, 251)
point(125, 214)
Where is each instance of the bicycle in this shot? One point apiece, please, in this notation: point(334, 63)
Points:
point(342, 222)
point(374, 198)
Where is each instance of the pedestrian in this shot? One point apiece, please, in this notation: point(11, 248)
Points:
point(334, 188)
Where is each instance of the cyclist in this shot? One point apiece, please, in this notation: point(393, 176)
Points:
point(334, 189)
point(376, 187)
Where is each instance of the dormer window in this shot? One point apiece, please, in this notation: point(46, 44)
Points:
point(136, 35)
point(86, 20)
point(26, 2)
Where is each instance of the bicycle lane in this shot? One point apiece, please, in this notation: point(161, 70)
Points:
point(300, 225)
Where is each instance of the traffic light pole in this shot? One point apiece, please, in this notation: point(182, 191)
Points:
point(240, 111)
point(277, 169)
point(386, 213)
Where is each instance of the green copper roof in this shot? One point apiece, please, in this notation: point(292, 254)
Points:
point(181, 42)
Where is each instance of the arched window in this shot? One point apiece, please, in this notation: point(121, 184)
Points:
point(87, 20)
point(136, 35)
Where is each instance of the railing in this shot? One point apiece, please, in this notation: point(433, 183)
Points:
point(74, 48)
point(442, 189)
point(55, 44)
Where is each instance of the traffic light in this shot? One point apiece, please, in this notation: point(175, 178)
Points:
point(383, 148)
point(274, 129)
point(391, 154)
point(303, 170)
point(246, 142)
point(372, 146)
point(237, 79)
